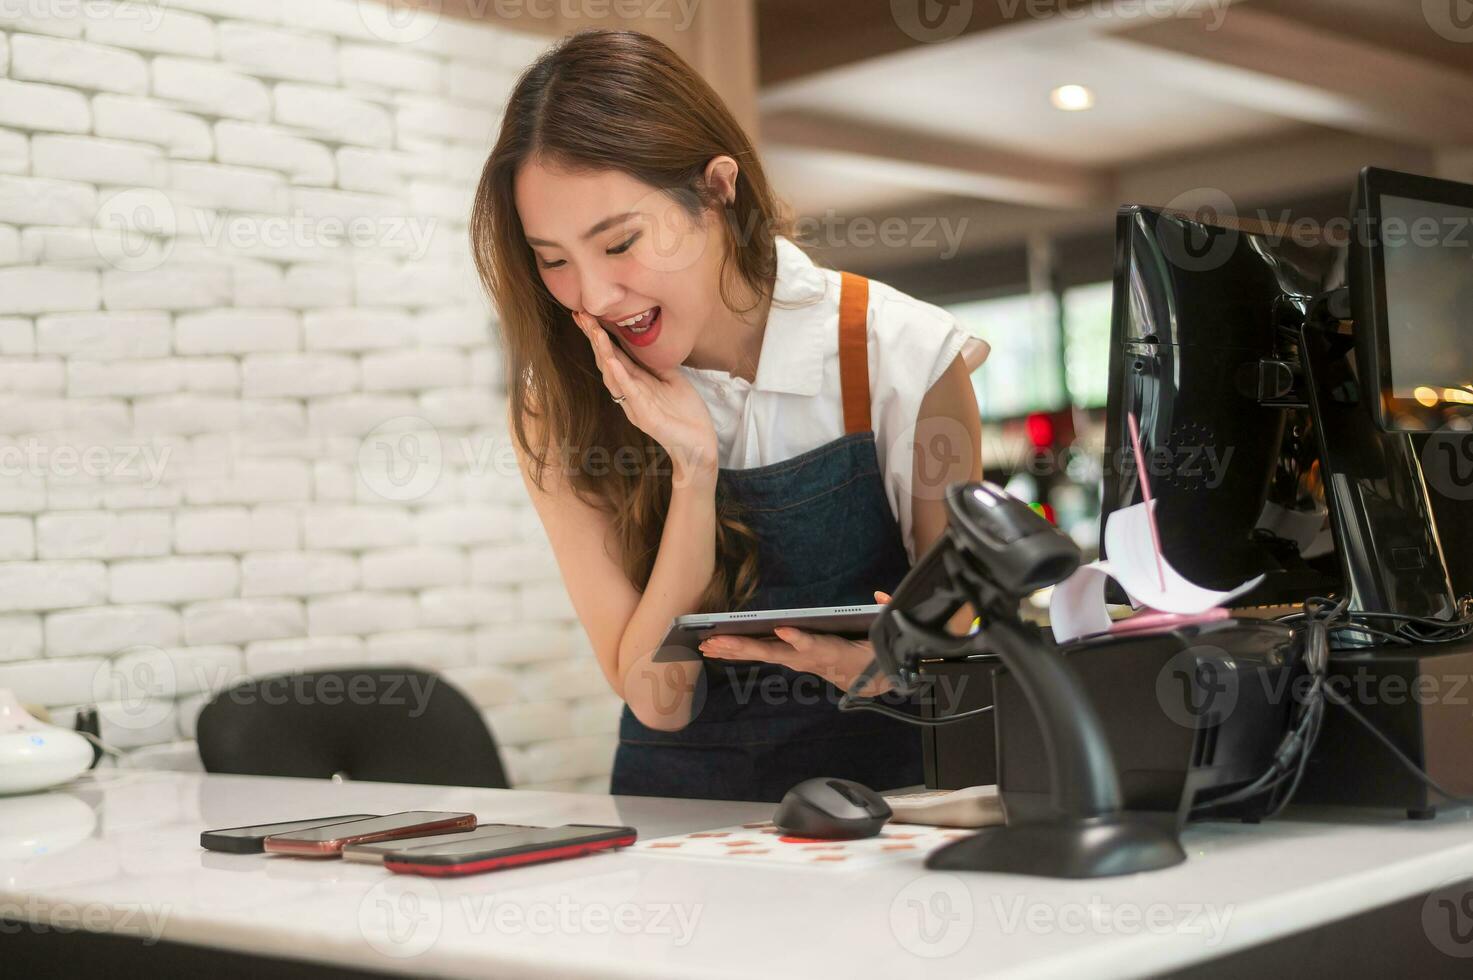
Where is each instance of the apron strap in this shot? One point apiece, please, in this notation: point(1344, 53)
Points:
point(854, 351)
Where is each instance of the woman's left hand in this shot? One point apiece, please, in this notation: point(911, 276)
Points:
point(835, 659)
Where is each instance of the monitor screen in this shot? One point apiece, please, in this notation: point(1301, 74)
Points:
point(1428, 254)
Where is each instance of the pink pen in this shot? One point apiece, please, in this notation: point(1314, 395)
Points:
point(1140, 466)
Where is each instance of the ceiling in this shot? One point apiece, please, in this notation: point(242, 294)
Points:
point(1262, 100)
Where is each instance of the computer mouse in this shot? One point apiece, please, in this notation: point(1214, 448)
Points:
point(831, 809)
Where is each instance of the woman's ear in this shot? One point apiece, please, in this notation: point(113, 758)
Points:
point(721, 178)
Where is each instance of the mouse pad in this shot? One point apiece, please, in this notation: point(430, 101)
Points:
point(762, 843)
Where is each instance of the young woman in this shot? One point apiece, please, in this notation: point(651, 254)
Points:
point(706, 420)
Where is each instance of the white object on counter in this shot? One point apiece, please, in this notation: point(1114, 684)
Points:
point(35, 755)
point(974, 806)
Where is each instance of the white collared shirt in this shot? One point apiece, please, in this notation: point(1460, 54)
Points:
point(796, 403)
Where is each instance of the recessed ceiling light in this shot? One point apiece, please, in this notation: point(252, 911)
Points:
point(1072, 98)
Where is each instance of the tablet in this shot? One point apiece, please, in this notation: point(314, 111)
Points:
point(683, 641)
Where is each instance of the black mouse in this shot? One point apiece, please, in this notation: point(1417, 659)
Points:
point(831, 809)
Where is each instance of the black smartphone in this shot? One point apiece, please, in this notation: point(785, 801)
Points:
point(251, 840)
point(530, 846)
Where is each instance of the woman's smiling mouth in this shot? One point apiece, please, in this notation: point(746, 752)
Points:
point(640, 329)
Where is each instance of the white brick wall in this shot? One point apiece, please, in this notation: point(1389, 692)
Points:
point(219, 397)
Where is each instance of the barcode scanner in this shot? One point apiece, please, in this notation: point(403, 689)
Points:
point(995, 551)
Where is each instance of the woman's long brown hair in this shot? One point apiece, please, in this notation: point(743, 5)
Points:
point(616, 100)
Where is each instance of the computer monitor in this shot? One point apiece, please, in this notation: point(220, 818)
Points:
point(1412, 296)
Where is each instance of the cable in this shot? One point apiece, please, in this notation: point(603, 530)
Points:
point(851, 701)
point(1342, 701)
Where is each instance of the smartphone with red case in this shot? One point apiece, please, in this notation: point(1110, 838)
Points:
point(532, 846)
point(329, 841)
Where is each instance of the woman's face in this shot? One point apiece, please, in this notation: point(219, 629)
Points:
point(616, 248)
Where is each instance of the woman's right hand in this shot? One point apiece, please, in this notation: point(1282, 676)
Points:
point(663, 405)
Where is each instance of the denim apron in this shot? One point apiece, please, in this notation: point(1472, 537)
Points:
point(826, 536)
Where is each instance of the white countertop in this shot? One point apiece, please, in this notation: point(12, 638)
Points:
point(120, 851)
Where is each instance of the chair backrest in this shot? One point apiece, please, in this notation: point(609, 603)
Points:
point(390, 724)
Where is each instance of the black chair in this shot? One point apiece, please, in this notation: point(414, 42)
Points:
point(389, 724)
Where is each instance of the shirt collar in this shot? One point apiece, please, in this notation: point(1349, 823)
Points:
point(799, 327)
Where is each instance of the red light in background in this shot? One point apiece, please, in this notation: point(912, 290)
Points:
point(1040, 430)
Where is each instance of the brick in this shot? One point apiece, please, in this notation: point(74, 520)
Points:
point(183, 135)
point(306, 287)
point(570, 758)
point(303, 654)
point(32, 105)
point(485, 686)
point(466, 606)
point(77, 64)
point(332, 113)
point(356, 329)
point(356, 527)
point(297, 573)
point(44, 289)
point(273, 53)
point(452, 327)
point(523, 642)
point(414, 370)
point(16, 336)
point(361, 612)
point(237, 331)
point(103, 336)
point(412, 568)
point(265, 11)
point(213, 185)
point(596, 715)
point(242, 620)
point(178, 286)
point(173, 580)
point(101, 534)
point(254, 481)
point(302, 160)
point(433, 649)
point(467, 524)
point(17, 540)
point(151, 376)
point(109, 629)
point(458, 408)
point(15, 152)
point(98, 161)
point(130, 724)
point(522, 724)
point(297, 375)
point(20, 636)
point(52, 682)
point(195, 414)
point(410, 284)
point(446, 120)
point(146, 27)
point(213, 374)
point(368, 170)
point(41, 201)
point(514, 563)
point(59, 18)
point(41, 585)
point(451, 202)
point(212, 88)
point(394, 68)
point(478, 84)
point(29, 374)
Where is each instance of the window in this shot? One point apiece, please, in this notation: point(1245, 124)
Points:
point(1022, 373)
point(1087, 343)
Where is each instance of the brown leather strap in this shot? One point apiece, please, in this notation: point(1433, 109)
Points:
point(854, 351)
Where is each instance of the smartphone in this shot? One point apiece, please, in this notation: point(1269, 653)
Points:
point(248, 840)
point(528, 846)
point(374, 852)
point(329, 841)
